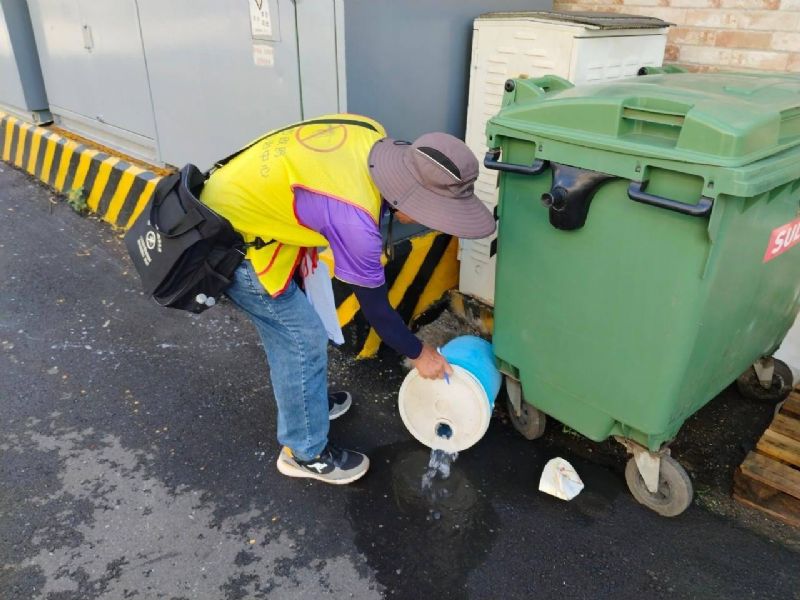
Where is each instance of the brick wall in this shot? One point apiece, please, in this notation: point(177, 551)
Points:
point(718, 34)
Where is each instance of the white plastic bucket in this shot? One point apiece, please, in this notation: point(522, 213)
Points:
point(453, 415)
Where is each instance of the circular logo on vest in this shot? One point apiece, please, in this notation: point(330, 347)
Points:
point(321, 137)
point(150, 240)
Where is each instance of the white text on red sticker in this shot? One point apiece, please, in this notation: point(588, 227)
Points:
point(783, 238)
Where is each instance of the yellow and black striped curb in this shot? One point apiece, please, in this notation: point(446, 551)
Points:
point(114, 189)
point(475, 313)
point(425, 267)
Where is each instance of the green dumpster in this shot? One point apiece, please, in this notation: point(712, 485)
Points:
point(646, 252)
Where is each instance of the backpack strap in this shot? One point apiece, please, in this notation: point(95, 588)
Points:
point(221, 163)
point(258, 243)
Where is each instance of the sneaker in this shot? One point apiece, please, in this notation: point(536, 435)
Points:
point(338, 404)
point(333, 465)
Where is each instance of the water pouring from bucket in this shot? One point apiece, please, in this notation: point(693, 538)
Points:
point(452, 415)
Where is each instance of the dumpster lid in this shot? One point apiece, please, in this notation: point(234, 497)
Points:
point(711, 118)
point(590, 20)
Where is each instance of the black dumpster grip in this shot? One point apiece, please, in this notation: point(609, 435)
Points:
point(636, 191)
point(492, 161)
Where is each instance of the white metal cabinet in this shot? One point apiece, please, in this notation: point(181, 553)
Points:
point(217, 80)
point(118, 75)
point(321, 56)
point(582, 49)
point(94, 67)
point(65, 62)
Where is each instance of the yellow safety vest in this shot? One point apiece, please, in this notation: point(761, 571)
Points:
point(255, 191)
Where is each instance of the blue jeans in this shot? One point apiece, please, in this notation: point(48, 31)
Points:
point(297, 351)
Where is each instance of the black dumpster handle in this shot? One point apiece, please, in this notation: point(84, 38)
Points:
point(636, 191)
point(492, 161)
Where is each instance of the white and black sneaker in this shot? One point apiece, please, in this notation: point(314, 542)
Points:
point(333, 465)
point(338, 404)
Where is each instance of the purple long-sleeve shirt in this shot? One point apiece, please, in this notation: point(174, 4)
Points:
point(356, 242)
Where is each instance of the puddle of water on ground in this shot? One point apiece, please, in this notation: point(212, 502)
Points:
point(421, 522)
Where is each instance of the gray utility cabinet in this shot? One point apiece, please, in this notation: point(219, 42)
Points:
point(95, 72)
point(192, 80)
point(21, 85)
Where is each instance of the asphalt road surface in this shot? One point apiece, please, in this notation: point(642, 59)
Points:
point(137, 457)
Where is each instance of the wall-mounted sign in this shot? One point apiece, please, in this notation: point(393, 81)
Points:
point(260, 19)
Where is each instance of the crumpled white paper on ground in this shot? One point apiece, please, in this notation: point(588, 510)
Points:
point(560, 479)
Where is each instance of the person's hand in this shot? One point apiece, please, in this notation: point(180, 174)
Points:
point(431, 364)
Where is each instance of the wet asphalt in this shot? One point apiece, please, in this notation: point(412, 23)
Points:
point(137, 461)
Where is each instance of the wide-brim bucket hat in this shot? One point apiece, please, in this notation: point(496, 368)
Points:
point(432, 181)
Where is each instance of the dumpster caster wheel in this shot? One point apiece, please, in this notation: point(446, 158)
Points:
point(750, 387)
point(674, 493)
point(530, 422)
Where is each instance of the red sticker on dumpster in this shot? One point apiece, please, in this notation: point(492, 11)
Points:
point(783, 238)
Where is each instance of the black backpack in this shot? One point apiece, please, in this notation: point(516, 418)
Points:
point(184, 252)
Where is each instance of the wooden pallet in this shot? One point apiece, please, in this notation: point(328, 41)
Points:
point(769, 478)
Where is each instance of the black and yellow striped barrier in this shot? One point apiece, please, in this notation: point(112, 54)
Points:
point(424, 269)
point(113, 188)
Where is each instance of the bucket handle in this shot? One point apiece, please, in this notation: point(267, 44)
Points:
point(636, 192)
point(492, 161)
